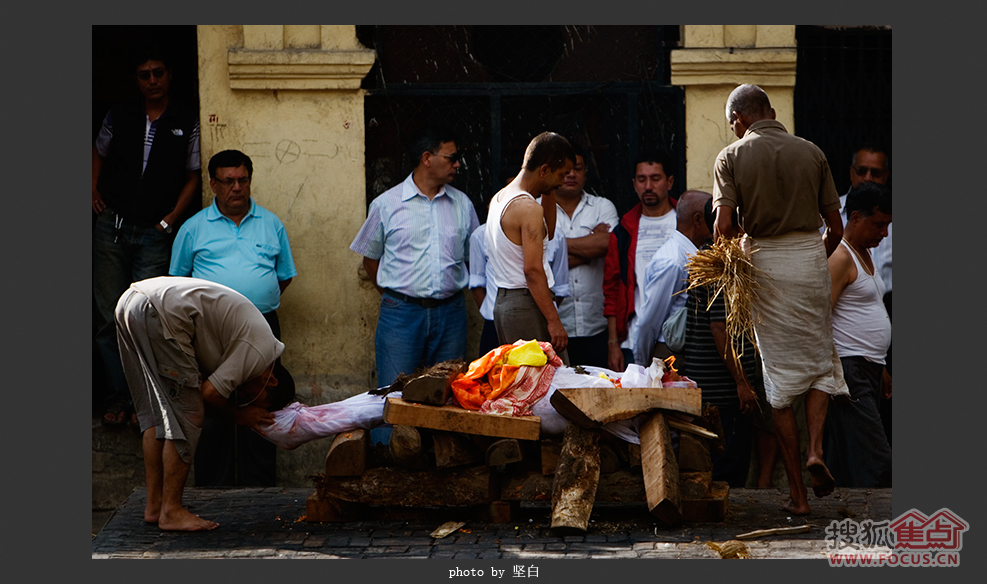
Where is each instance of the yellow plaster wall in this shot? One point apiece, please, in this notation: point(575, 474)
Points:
point(308, 153)
point(713, 61)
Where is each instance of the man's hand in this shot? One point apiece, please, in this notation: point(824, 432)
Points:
point(253, 417)
point(560, 338)
point(886, 384)
point(615, 358)
point(98, 204)
point(748, 399)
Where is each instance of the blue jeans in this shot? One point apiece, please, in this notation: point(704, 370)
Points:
point(410, 337)
point(120, 257)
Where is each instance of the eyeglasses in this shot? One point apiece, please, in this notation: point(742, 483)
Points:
point(145, 75)
point(229, 182)
point(874, 172)
point(453, 158)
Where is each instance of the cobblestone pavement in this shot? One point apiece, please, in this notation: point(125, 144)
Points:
point(271, 523)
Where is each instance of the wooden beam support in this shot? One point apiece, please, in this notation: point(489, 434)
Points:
point(576, 480)
point(661, 470)
point(457, 419)
point(591, 407)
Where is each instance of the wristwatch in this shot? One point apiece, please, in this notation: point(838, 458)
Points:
point(164, 225)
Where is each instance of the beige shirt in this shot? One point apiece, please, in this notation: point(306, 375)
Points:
point(778, 182)
point(216, 326)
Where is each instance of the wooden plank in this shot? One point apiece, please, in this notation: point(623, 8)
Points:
point(660, 470)
point(576, 480)
point(457, 419)
point(347, 454)
point(691, 428)
point(774, 531)
point(591, 407)
point(404, 487)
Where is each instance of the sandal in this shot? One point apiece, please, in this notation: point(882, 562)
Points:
point(116, 414)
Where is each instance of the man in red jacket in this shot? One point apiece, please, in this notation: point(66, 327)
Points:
point(641, 231)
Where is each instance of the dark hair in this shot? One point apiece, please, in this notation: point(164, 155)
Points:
point(230, 159)
point(428, 139)
point(149, 52)
point(866, 197)
point(548, 148)
point(871, 147)
point(578, 151)
point(655, 157)
point(281, 394)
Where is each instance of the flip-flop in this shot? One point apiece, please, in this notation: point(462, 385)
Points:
point(823, 483)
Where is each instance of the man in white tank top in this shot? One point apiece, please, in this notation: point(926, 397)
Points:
point(857, 450)
point(518, 231)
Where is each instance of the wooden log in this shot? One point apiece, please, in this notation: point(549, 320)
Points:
point(329, 509)
point(634, 454)
point(430, 389)
point(576, 480)
point(609, 461)
point(694, 453)
point(660, 470)
point(347, 454)
point(623, 486)
point(691, 428)
point(694, 485)
point(405, 444)
point(504, 451)
point(502, 511)
point(550, 451)
point(453, 449)
point(457, 419)
point(591, 407)
point(710, 509)
point(403, 487)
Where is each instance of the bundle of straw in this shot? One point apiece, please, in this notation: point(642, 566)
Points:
point(726, 269)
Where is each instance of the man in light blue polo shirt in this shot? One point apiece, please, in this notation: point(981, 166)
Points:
point(237, 243)
point(415, 245)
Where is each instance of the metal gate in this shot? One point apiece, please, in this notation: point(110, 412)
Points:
point(843, 91)
point(604, 88)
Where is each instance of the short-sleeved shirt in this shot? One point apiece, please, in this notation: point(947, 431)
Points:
point(779, 183)
point(422, 244)
point(251, 258)
point(219, 329)
point(192, 160)
point(582, 312)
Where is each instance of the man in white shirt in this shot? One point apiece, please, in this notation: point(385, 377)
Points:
point(666, 277)
point(586, 221)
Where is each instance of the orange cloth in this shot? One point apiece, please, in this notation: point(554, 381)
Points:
point(486, 379)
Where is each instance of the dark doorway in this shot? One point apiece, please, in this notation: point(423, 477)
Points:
point(843, 91)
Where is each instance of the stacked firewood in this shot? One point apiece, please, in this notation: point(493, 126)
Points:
point(443, 455)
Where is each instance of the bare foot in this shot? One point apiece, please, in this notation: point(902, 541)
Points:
point(822, 481)
point(794, 509)
point(151, 516)
point(183, 520)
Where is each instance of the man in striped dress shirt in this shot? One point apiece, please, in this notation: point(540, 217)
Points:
point(415, 245)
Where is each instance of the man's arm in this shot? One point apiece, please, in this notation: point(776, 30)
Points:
point(842, 272)
point(834, 231)
point(584, 249)
point(98, 204)
point(723, 226)
point(551, 213)
point(532, 234)
point(282, 284)
point(184, 198)
point(611, 302)
point(615, 356)
point(250, 416)
point(371, 267)
point(748, 399)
